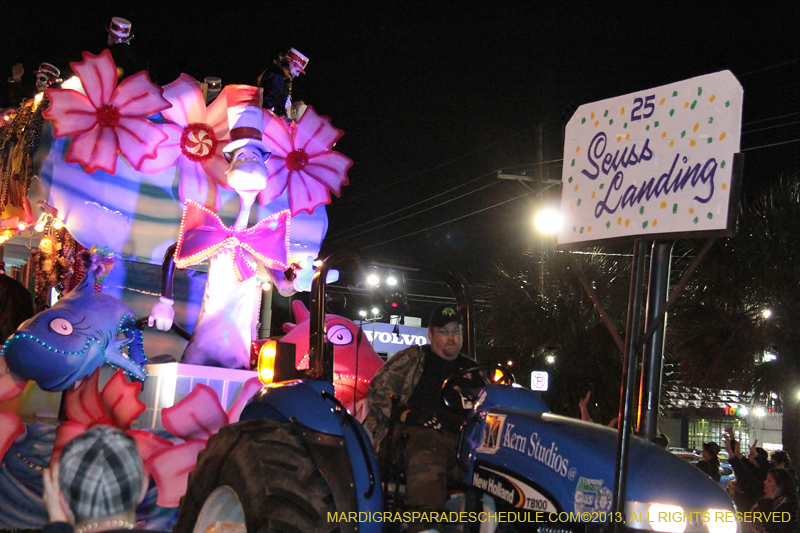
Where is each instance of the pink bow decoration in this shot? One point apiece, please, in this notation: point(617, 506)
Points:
point(203, 234)
point(194, 419)
point(117, 405)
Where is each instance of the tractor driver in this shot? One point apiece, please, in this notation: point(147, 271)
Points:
point(416, 375)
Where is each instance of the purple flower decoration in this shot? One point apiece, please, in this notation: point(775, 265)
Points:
point(98, 261)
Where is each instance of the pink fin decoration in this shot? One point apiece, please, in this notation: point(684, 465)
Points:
point(171, 467)
point(11, 428)
point(198, 415)
point(121, 398)
point(250, 387)
point(84, 404)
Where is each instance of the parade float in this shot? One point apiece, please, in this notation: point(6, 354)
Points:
point(113, 183)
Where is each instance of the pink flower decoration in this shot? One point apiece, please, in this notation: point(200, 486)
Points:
point(110, 119)
point(194, 142)
point(303, 162)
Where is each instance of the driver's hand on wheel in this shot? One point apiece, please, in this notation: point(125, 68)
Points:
point(162, 314)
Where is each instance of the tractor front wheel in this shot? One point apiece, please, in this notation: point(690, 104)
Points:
point(256, 476)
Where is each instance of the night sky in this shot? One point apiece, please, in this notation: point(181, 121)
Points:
point(435, 97)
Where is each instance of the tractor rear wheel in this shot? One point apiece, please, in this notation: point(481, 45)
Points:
point(262, 467)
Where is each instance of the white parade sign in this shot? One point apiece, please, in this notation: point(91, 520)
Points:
point(653, 163)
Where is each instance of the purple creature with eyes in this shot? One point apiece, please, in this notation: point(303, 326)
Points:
point(354, 358)
point(69, 341)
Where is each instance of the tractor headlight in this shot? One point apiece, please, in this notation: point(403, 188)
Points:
point(721, 521)
point(667, 518)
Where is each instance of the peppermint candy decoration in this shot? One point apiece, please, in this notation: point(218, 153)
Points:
point(198, 141)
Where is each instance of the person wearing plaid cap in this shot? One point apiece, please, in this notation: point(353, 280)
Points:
point(96, 485)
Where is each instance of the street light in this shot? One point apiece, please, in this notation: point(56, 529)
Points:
point(373, 280)
point(548, 221)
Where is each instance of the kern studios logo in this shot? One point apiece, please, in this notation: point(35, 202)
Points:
point(492, 433)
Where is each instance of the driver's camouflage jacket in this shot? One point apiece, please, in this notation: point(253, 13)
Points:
point(399, 376)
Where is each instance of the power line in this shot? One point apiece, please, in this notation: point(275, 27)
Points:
point(769, 145)
point(449, 221)
point(413, 205)
point(770, 67)
point(524, 195)
point(773, 127)
point(518, 166)
point(492, 184)
point(357, 197)
point(771, 118)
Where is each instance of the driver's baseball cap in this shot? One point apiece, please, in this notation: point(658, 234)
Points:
point(443, 315)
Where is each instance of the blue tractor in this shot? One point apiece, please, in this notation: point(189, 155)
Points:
point(298, 462)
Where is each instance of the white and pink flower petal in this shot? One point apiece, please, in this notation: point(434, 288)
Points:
point(167, 153)
point(194, 184)
point(306, 193)
point(70, 112)
point(216, 168)
point(330, 169)
point(187, 101)
point(96, 149)
point(275, 134)
point(315, 134)
point(137, 96)
point(217, 118)
point(138, 139)
point(276, 182)
point(98, 75)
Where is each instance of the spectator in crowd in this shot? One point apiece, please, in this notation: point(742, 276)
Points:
point(780, 497)
point(750, 474)
point(781, 459)
point(710, 461)
point(583, 405)
point(96, 485)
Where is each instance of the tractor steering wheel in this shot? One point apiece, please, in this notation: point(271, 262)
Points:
point(460, 391)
